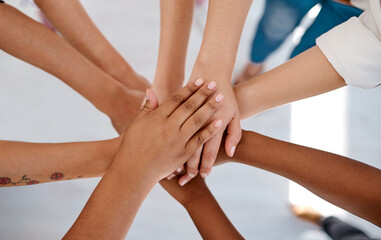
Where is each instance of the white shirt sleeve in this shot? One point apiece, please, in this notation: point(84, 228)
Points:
point(354, 48)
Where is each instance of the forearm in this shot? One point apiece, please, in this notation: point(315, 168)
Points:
point(175, 26)
point(75, 25)
point(113, 205)
point(223, 29)
point(344, 182)
point(30, 163)
point(210, 219)
point(306, 75)
point(30, 41)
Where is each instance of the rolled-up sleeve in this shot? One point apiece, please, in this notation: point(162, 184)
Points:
point(354, 48)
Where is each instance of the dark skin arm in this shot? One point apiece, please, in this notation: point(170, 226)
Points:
point(347, 183)
point(202, 207)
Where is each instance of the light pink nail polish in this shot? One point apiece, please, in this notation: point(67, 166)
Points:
point(218, 124)
point(204, 175)
point(184, 181)
point(212, 85)
point(199, 82)
point(191, 175)
point(219, 97)
point(179, 169)
point(232, 150)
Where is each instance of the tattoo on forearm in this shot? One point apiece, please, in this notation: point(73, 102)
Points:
point(57, 176)
point(27, 181)
point(24, 180)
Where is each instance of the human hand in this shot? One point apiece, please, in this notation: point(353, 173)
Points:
point(196, 189)
point(126, 109)
point(230, 115)
point(158, 149)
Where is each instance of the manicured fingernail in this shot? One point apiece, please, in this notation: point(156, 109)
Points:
point(186, 180)
point(204, 175)
point(199, 82)
point(219, 97)
point(171, 176)
point(232, 150)
point(179, 169)
point(212, 85)
point(218, 124)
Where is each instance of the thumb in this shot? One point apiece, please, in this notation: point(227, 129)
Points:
point(151, 102)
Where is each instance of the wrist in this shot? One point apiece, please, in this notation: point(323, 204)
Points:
point(221, 65)
point(106, 152)
point(193, 202)
point(128, 170)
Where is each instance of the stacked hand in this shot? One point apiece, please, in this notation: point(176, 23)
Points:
point(162, 138)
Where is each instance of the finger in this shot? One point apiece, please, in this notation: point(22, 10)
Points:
point(234, 135)
point(179, 171)
point(192, 168)
point(151, 103)
point(180, 96)
point(190, 106)
point(203, 136)
point(209, 154)
point(201, 117)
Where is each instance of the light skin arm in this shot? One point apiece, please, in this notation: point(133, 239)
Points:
point(31, 42)
point(207, 215)
point(347, 183)
point(306, 75)
point(72, 21)
point(34, 163)
point(145, 157)
point(215, 61)
point(175, 26)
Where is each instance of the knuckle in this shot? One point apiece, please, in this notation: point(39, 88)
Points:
point(177, 98)
point(205, 169)
point(204, 92)
point(208, 156)
point(189, 104)
point(212, 106)
point(192, 170)
point(197, 119)
point(200, 139)
point(189, 89)
point(210, 130)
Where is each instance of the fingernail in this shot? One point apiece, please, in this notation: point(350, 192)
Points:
point(199, 82)
point(204, 175)
point(232, 150)
point(186, 180)
point(212, 85)
point(218, 124)
point(219, 97)
point(148, 95)
point(171, 176)
point(179, 169)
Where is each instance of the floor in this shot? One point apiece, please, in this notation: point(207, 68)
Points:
point(39, 108)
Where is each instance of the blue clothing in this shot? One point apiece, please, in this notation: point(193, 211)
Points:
point(281, 17)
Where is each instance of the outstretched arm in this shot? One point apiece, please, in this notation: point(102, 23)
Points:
point(347, 183)
point(175, 26)
point(30, 41)
point(145, 157)
point(215, 61)
point(206, 213)
point(71, 20)
point(31, 163)
point(306, 75)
